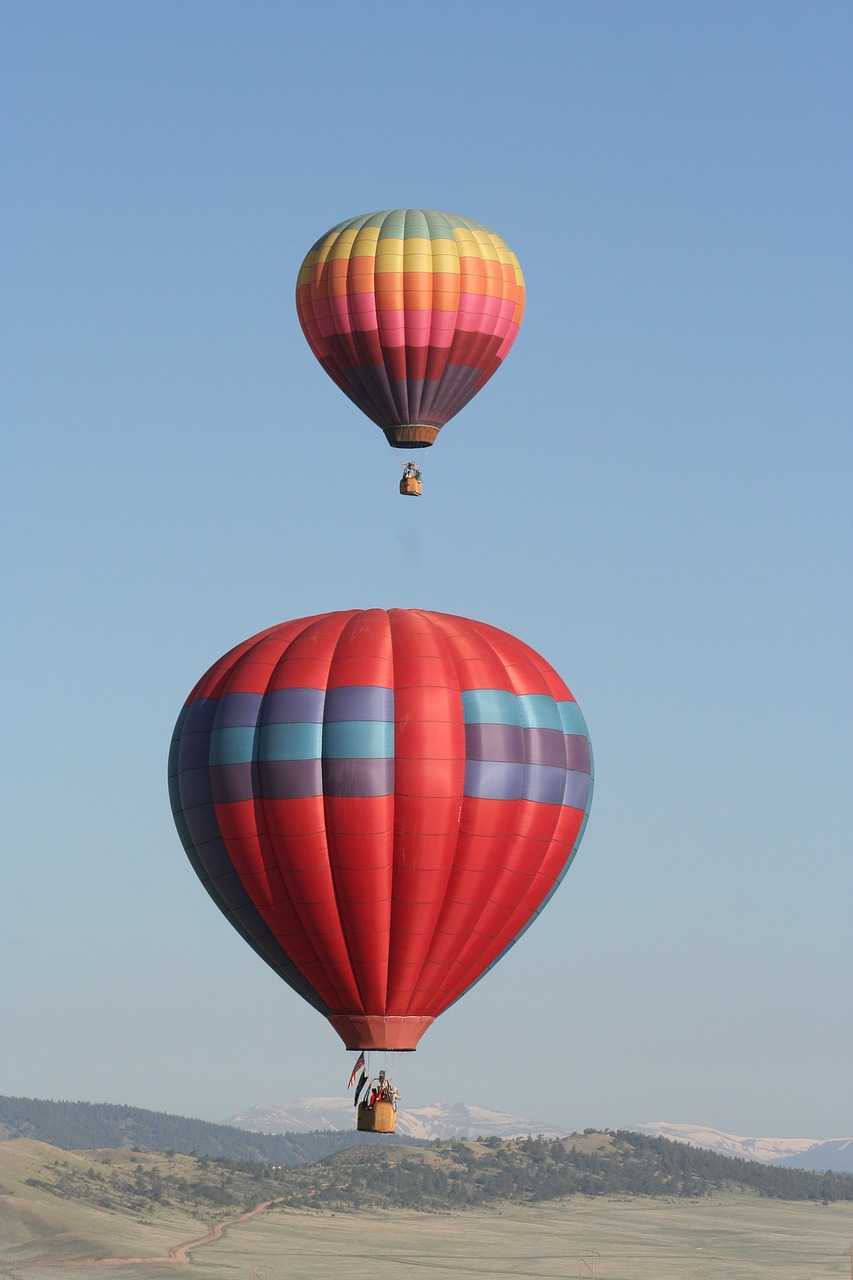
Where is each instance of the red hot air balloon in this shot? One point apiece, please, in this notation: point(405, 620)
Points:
point(410, 312)
point(381, 803)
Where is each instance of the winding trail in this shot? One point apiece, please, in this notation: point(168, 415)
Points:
point(181, 1252)
point(178, 1253)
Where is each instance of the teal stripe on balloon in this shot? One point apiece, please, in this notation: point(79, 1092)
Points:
point(358, 740)
point(291, 741)
point(393, 225)
point(490, 706)
point(539, 711)
point(233, 745)
point(572, 719)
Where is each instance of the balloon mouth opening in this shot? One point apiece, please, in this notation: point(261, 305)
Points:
point(411, 435)
point(376, 1031)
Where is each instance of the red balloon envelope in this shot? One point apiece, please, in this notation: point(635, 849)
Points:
point(381, 803)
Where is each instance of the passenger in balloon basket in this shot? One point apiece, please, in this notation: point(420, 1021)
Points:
point(411, 484)
point(381, 1088)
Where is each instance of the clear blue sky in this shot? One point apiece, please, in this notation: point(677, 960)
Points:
point(654, 492)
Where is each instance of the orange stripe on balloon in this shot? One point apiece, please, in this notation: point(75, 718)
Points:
point(390, 297)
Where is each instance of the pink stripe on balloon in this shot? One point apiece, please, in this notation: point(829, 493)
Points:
point(507, 308)
point(492, 307)
point(443, 328)
point(392, 326)
point(328, 328)
point(473, 323)
point(471, 303)
point(363, 307)
point(340, 312)
point(418, 324)
point(321, 308)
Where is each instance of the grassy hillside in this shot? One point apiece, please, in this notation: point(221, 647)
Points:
point(57, 1204)
point(84, 1126)
point(454, 1175)
point(72, 1205)
point(53, 1205)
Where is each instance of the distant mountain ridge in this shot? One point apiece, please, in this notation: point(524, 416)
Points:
point(817, 1154)
point(438, 1121)
point(330, 1128)
point(442, 1121)
point(89, 1126)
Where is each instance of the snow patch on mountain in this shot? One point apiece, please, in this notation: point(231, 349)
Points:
point(443, 1120)
point(799, 1153)
point(440, 1120)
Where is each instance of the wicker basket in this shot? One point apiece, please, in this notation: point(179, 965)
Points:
point(380, 1118)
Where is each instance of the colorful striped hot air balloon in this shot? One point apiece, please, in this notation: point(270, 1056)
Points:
point(381, 803)
point(410, 312)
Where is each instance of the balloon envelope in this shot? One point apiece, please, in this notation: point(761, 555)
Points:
point(410, 311)
point(381, 803)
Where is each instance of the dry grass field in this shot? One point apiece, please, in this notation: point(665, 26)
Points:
point(35, 1224)
point(627, 1240)
point(43, 1237)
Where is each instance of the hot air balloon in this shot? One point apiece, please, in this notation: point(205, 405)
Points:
point(381, 803)
point(410, 312)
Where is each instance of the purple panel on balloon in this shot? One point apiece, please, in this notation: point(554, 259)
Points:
point(578, 754)
point(293, 706)
point(576, 791)
point(370, 388)
point(200, 715)
point(290, 779)
point(494, 742)
point(358, 777)
point(457, 386)
point(543, 783)
point(545, 746)
point(251, 920)
point(194, 787)
point(433, 403)
point(236, 710)
point(493, 780)
point(193, 752)
point(231, 891)
point(359, 702)
point(202, 825)
point(232, 783)
point(214, 857)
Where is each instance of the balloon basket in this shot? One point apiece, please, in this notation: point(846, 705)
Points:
point(411, 486)
point(380, 1118)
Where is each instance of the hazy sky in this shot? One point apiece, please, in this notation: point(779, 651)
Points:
point(654, 492)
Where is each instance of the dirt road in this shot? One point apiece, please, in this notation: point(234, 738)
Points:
point(178, 1253)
